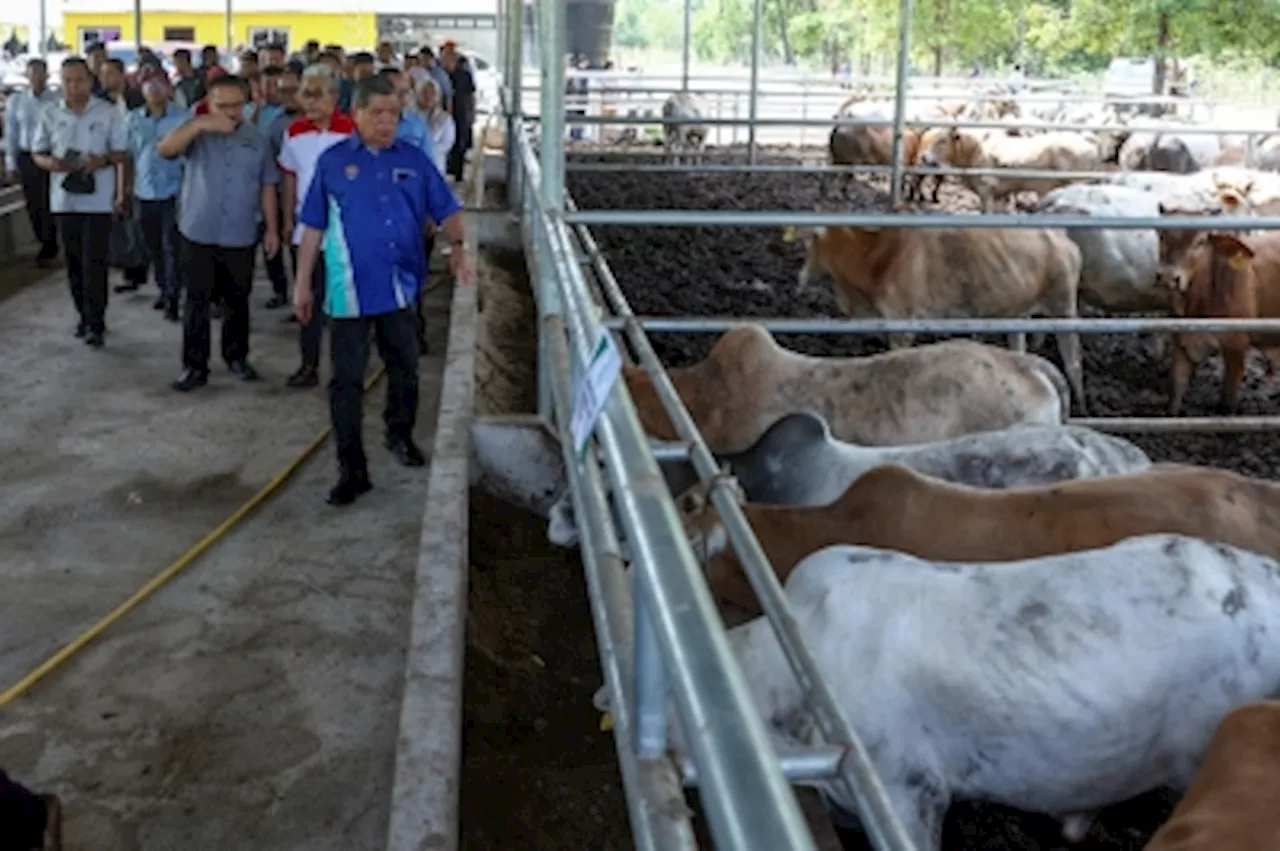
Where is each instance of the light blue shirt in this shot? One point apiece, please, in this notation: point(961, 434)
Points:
point(442, 78)
point(413, 130)
point(266, 114)
point(154, 177)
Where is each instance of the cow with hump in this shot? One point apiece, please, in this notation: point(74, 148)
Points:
point(897, 508)
point(908, 273)
point(1058, 685)
point(748, 382)
point(1055, 151)
point(1231, 805)
point(1220, 275)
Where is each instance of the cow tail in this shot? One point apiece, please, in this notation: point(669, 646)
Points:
point(1057, 380)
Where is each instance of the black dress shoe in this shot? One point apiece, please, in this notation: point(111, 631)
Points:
point(349, 489)
point(171, 311)
point(243, 371)
point(276, 302)
point(305, 377)
point(190, 380)
point(406, 452)
point(161, 303)
point(81, 330)
point(94, 338)
point(127, 287)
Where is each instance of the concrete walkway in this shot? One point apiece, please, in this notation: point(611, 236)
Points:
point(253, 702)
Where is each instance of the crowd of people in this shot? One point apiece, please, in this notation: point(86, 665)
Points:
point(341, 158)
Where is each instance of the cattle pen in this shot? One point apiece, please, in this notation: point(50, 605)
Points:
point(657, 628)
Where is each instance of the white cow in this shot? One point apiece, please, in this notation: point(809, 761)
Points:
point(683, 138)
point(1118, 271)
point(1058, 685)
point(798, 462)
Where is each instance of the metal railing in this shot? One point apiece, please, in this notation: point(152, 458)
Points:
point(658, 630)
point(678, 646)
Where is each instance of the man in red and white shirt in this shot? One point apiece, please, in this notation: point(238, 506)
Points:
point(306, 139)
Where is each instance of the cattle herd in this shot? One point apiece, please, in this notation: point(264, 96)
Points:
point(1011, 610)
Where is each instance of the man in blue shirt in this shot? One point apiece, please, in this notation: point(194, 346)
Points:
point(156, 182)
point(412, 127)
point(370, 200)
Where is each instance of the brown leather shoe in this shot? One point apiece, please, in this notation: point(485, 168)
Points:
point(52, 823)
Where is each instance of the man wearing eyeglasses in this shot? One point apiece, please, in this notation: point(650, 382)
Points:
point(320, 128)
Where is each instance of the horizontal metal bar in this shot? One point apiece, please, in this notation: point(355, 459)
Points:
point(1007, 173)
point(797, 218)
point(656, 93)
point(1223, 424)
point(822, 325)
point(798, 766)
point(1190, 130)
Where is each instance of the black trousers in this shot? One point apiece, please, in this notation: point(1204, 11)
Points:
point(225, 274)
point(312, 334)
point(84, 239)
point(159, 223)
point(35, 190)
point(397, 337)
point(22, 817)
point(275, 265)
point(428, 244)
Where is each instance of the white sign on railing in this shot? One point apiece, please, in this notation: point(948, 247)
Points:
point(593, 389)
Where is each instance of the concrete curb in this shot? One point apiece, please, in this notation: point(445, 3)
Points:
point(424, 797)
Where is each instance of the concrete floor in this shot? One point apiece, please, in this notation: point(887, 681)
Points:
point(253, 702)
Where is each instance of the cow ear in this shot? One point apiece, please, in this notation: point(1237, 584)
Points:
point(1237, 253)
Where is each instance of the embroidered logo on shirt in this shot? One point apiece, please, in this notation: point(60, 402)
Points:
point(352, 171)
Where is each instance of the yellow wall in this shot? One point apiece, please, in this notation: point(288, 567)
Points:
point(354, 30)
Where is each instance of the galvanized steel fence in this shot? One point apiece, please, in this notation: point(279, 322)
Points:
point(659, 634)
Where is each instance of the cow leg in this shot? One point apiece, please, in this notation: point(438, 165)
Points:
point(1018, 341)
point(1069, 348)
point(1075, 827)
point(1181, 374)
point(1233, 360)
point(902, 340)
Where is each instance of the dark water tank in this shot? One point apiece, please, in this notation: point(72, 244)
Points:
point(589, 29)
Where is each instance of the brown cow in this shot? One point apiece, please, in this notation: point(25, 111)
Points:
point(864, 145)
point(957, 273)
point(748, 382)
point(1220, 276)
point(893, 507)
point(1231, 805)
point(1058, 151)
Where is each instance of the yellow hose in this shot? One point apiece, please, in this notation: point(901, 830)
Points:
point(53, 662)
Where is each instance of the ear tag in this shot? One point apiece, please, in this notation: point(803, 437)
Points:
point(1239, 261)
point(789, 233)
